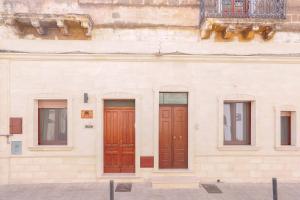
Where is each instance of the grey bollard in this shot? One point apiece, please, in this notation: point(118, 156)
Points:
point(275, 193)
point(111, 186)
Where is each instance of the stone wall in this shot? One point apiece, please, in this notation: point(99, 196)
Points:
point(4, 170)
point(292, 22)
point(142, 77)
point(248, 168)
point(52, 169)
point(132, 13)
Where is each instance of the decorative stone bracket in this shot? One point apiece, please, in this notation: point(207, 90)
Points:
point(227, 29)
point(43, 22)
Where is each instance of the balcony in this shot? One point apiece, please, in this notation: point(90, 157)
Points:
point(242, 14)
point(50, 26)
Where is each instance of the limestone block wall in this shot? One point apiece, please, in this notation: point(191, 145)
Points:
point(248, 168)
point(271, 81)
point(4, 111)
point(132, 13)
point(4, 170)
point(293, 15)
point(54, 169)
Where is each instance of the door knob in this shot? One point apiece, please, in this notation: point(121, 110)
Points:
point(174, 137)
point(180, 137)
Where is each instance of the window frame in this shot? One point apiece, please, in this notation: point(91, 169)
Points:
point(289, 115)
point(234, 141)
point(162, 101)
point(56, 141)
point(253, 146)
point(295, 139)
point(32, 127)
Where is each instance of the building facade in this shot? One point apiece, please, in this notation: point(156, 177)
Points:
point(149, 90)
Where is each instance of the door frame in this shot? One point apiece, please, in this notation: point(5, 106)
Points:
point(99, 122)
point(191, 132)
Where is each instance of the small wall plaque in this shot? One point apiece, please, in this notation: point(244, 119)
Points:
point(89, 126)
point(86, 114)
point(16, 147)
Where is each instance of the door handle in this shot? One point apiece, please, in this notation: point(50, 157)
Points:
point(180, 137)
point(174, 137)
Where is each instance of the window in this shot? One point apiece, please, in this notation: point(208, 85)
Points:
point(285, 128)
point(286, 136)
point(119, 103)
point(52, 122)
point(237, 123)
point(235, 7)
point(173, 98)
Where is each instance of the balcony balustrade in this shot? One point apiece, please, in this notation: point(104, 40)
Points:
point(232, 16)
point(258, 9)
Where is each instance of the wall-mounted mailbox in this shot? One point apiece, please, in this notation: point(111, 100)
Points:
point(147, 162)
point(16, 147)
point(15, 125)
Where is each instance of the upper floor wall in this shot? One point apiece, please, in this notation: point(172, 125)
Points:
point(159, 20)
point(136, 13)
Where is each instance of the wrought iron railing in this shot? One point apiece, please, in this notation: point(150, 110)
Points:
point(259, 9)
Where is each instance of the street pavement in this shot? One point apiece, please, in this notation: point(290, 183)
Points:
point(144, 191)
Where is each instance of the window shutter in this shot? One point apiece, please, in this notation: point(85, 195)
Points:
point(15, 125)
point(52, 103)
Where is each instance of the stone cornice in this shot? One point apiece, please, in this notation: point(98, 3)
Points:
point(271, 59)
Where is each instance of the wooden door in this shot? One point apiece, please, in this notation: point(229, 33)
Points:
point(173, 137)
point(119, 140)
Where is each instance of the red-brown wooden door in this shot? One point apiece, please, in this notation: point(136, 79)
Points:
point(119, 140)
point(173, 137)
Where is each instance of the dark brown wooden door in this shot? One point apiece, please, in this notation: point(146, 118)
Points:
point(119, 140)
point(173, 137)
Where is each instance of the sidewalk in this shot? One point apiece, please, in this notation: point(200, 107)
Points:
point(143, 191)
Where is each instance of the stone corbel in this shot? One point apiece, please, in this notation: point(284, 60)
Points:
point(63, 27)
point(228, 32)
point(206, 30)
point(248, 32)
point(268, 32)
point(36, 24)
point(88, 26)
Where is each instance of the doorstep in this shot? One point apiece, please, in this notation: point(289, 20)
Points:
point(120, 178)
point(173, 172)
point(175, 182)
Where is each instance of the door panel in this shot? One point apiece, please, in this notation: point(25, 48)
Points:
point(180, 135)
point(127, 141)
point(111, 148)
point(165, 137)
point(173, 137)
point(119, 140)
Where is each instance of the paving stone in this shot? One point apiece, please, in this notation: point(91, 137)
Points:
point(143, 191)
